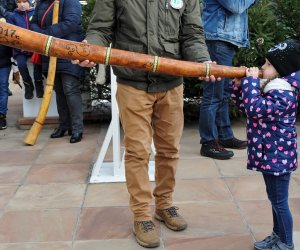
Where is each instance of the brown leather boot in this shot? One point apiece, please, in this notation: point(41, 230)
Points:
point(146, 234)
point(171, 218)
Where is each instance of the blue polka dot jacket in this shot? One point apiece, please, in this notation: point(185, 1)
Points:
point(271, 122)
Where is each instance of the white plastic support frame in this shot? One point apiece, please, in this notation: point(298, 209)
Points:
point(114, 171)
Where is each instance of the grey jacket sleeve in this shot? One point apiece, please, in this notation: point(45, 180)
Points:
point(193, 46)
point(101, 27)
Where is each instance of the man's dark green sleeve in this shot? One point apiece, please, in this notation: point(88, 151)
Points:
point(101, 27)
point(193, 46)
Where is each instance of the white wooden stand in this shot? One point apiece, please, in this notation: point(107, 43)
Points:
point(113, 171)
point(31, 107)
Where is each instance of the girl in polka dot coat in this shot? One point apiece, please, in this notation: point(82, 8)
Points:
point(271, 131)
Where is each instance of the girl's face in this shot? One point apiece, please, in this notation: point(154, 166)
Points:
point(269, 72)
point(23, 5)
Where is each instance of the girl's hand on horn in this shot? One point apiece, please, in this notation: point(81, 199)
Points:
point(238, 81)
point(85, 63)
point(209, 78)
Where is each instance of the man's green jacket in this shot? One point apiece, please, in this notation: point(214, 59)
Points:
point(166, 28)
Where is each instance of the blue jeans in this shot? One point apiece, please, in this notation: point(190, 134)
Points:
point(277, 188)
point(4, 74)
point(22, 65)
point(214, 122)
point(69, 102)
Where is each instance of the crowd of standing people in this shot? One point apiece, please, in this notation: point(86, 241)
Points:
point(151, 104)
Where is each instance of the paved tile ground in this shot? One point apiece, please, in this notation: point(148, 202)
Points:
point(46, 202)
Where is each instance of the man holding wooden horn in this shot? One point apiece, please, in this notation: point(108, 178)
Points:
point(150, 104)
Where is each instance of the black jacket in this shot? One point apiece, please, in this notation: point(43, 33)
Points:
point(5, 52)
point(5, 55)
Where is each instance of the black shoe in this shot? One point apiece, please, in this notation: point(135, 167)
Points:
point(2, 122)
point(39, 88)
point(233, 143)
point(266, 243)
point(9, 92)
point(76, 137)
point(59, 132)
point(214, 150)
point(28, 90)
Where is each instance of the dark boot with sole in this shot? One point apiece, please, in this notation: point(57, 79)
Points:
point(28, 90)
point(39, 88)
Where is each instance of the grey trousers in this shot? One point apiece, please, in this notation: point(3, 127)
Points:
point(69, 102)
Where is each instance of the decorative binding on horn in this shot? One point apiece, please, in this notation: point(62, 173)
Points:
point(48, 45)
point(107, 56)
point(155, 64)
point(207, 69)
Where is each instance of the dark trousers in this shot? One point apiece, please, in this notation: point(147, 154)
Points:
point(214, 121)
point(22, 65)
point(69, 102)
point(278, 193)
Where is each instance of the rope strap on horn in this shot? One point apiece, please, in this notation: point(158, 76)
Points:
point(155, 64)
point(48, 45)
point(207, 69)
point(107, 56)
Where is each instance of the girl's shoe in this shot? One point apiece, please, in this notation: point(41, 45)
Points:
point(267, 243)
point(281, 246)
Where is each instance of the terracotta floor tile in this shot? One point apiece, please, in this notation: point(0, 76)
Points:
point(227, 242)
point(105, 223)
point(259, 216)
point(105, 195)
point(196, 168)
point(13, 174)
point(38, 226)
point(6, 193)
point(296, 177)
point(37, 246)
point(253, 188)
point(68, 154)
point(58, 173)
point(111, 244)
point(31, 197)
point(201, 190)
point(24, 157)
point(88, 141)
point(15, 139)
point(236, 166)
point(210, 219)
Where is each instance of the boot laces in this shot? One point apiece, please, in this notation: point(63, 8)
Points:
point(172, 211)
point(147, 225)
point(217, 146)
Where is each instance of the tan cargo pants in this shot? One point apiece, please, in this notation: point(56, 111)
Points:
point(145, 116)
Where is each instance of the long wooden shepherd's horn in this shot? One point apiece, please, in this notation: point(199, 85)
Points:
point(37, 126)
point(17, 37)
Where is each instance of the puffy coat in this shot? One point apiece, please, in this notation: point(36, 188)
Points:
point(21, 19)
point(5, 55)
point(5, 52)
point(271, 123)
point(68, 27)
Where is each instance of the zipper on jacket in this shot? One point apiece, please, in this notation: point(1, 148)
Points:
point(166, 14)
